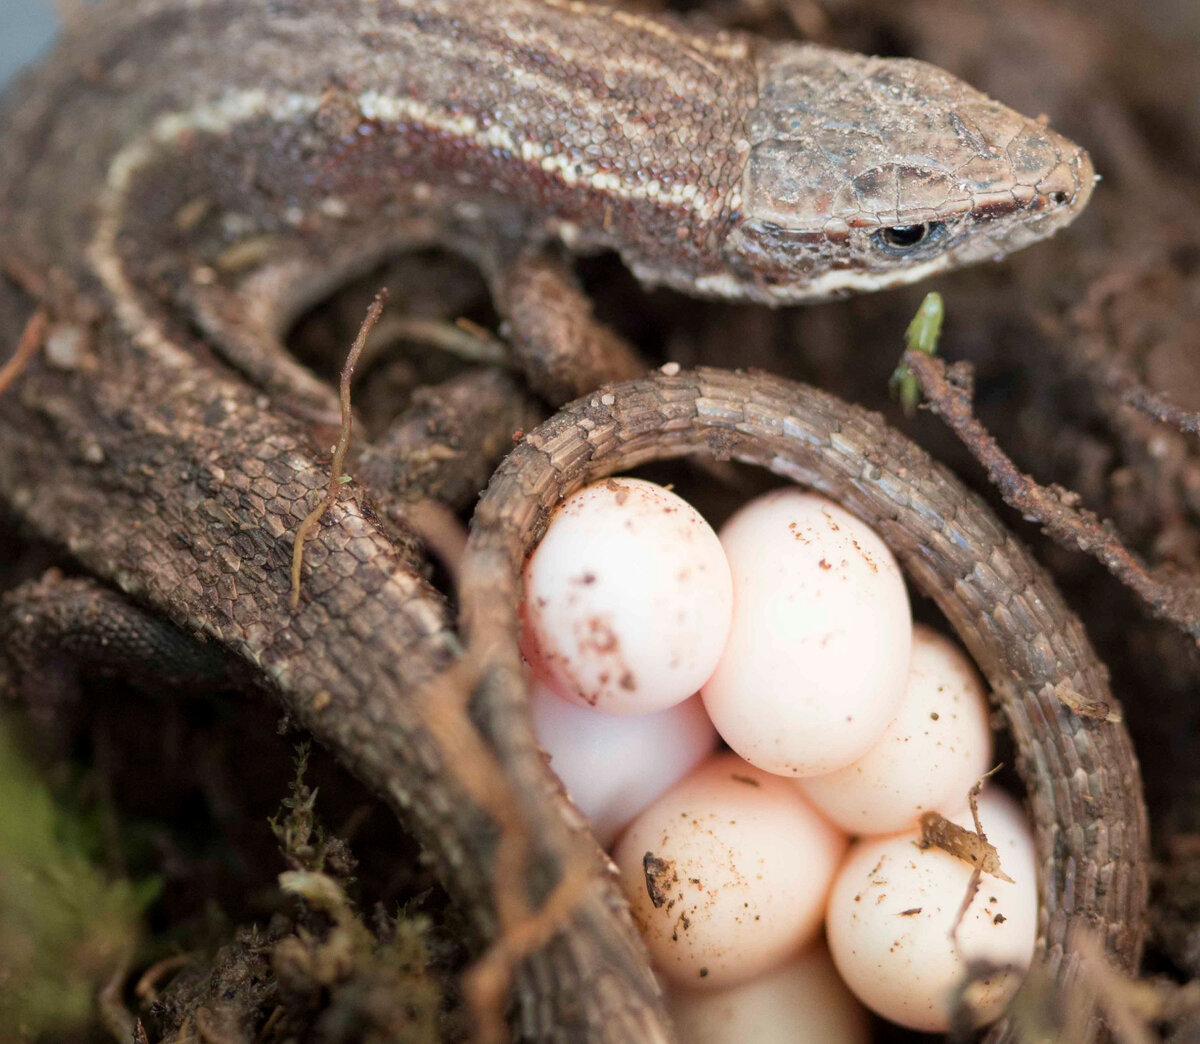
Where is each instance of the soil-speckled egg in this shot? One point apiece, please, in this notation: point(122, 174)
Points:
point(614, 765)
point(627, 598)
point(936, 748)
point(817, 655)
point(727, 873)
point(800, 1002)
point(893, 906)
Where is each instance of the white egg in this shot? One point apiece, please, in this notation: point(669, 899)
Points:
point(800, 1002)
point(937, 746)
point(614, 765)
point(627, 598)
point(893, 906)
point(817, 655)
point(727, 873)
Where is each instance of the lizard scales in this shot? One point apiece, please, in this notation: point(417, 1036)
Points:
point(187, 175)
point(713, 162)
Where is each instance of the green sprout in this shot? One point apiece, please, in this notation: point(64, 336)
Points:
point(921, 336)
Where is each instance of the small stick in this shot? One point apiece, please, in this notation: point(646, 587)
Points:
point(1146, 400)
point(113, 1014)
point(146, 989)
point(32, 339)
point(989, 863)
point(463, 338)
point(336, 478)
point(487, 982)
point(440, 530)
point(1171, 593)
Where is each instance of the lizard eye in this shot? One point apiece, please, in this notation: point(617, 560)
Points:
point(899, 240)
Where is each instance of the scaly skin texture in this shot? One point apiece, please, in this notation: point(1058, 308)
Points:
point(180, 178)
point(1084, 789)
point(713, 162)
point(175, 485)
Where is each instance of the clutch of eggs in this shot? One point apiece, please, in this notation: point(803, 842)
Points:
point(789, 637)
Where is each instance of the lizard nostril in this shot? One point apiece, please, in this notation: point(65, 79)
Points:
point(1059, 198)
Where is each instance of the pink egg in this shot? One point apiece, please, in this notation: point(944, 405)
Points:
point(727, 873)
point(892, 908)
point(800, 1002)
point(627, 598)
point(817, 655)
point(936, 748)
point(613, 765)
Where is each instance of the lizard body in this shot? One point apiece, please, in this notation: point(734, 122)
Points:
point(230, 158)
point(183, 176)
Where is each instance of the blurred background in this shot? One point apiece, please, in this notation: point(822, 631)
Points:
point(26, 28)
point(179, 789)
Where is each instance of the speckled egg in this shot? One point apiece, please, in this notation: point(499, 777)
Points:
point(628, 598)
point(727, 873)
point(803, 1001)
point(893, 906)
point(817, 655)
point(933, 752)
point(614, 765)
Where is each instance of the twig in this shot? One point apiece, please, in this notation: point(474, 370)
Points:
point(24, 276)
point(336, 478)
point(1097, 349)
point(31, 341)
point(114, 1016)
point(1146, 400)
point(1170, 593)
point(273, 1020)
point(488, 980)
point(445, 706)
point(146, 989)
point(444, 536)
point(1131, 1006)
point(984, 857)
point(462, 338)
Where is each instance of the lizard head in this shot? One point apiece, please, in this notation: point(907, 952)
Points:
point(867, 173)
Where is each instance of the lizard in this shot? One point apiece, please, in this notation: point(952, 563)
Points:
point(181, 177)
point(230, 171)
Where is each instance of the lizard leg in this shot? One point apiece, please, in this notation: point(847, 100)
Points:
point(435, 457)
point(563, 349)
point(54, 629)
point(446, 443)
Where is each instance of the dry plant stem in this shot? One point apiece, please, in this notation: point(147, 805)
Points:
point(269, 1026)
point(444, 445)
point(31, 340)
point(146, 989)
point(1131, 1007)
point(1083, 784)
point(989, 860)
point(343, 443)
point(441, 532)
point(1099, 365)
point(1146, 400)
point(462, 338)
point(1171, 594)
point(489, 980)
point(110, 1005)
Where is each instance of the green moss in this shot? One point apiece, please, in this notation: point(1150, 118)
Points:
point(65, 925)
